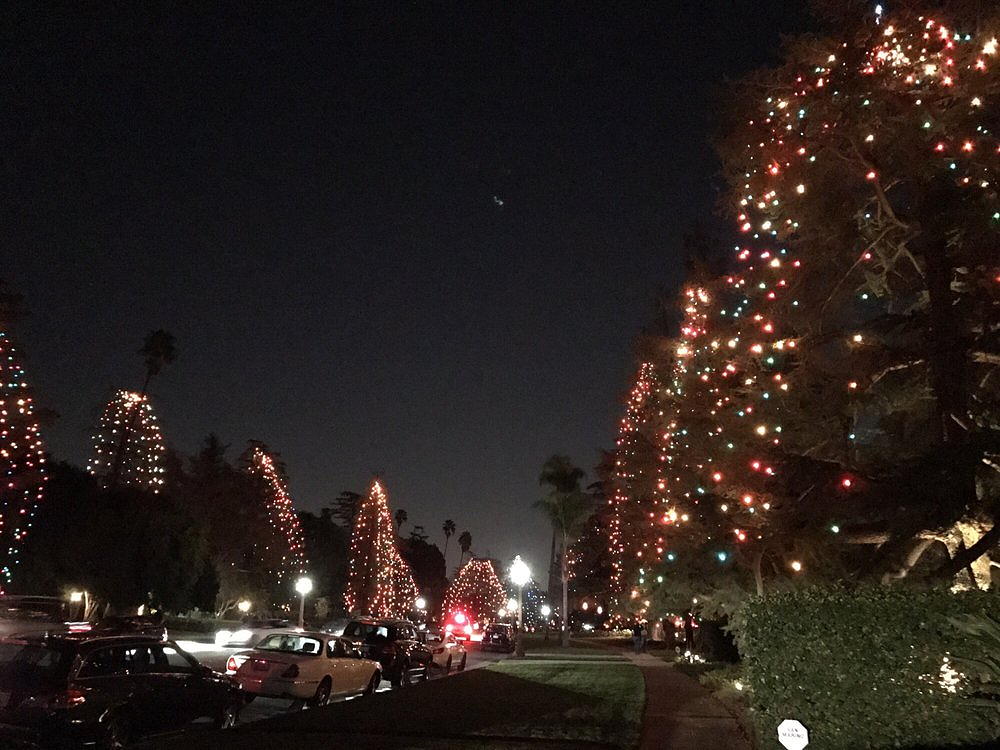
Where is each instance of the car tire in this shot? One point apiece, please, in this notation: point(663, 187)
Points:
point(228, 716)
point(322, 696)
point(373, 684)
point(461, 664)
point(117, 733)
point(447, 666)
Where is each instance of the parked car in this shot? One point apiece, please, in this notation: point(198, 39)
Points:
point(131, 625)
point(394, 645)
point(251, 631)
point(23, 615)
point(305, 666)
point(68, 690)
point(446, 650)
point(498, 636)
point(336, 626)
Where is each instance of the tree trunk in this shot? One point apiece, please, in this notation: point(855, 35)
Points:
point(758, 575)
point(564, 574)
point(446, 540)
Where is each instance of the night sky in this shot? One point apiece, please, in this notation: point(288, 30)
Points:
point(413, 239)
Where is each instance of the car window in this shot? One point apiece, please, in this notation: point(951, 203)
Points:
point(336, 648)
point(23, 664)
point(168, 660)
point(296, 644)
point(104, 662)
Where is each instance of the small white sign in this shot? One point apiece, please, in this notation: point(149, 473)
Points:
point(792, 735)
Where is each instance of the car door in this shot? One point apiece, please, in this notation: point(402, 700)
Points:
point(173, 687)
point(105, 678)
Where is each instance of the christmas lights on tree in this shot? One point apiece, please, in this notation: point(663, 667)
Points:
point(22, 459)
point(379, 581)
point(476, 592)
point(281, 515)
point(866, 183)
point(128, 447)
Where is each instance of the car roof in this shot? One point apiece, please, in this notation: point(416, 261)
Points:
point(308, 633)
point(83, 641)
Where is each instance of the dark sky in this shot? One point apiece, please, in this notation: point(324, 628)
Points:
point(416, 239)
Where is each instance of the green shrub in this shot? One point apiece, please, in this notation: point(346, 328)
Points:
point(863, 668)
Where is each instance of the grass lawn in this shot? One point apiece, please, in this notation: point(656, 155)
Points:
point(509, 705)
point(597, 702)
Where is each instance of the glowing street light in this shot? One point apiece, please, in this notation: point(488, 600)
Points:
point(76, 597)
point(304, 585)
point(545, 611)
point(243, 606)
point(421, 603)
point(520, 574)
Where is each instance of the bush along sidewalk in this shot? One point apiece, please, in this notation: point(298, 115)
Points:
point(871, 668)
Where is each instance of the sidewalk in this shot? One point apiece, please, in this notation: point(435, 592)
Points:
point(682, 715)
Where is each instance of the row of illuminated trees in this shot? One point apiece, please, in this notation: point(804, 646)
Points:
point(144, 526)
point(829, 406)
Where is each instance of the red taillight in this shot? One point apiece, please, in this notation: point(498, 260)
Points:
point(292, 671)
point(231, 665)
point(68, 698)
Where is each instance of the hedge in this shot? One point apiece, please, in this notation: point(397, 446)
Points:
point(862, 668)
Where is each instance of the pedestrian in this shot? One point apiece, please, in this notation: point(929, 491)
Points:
point(656, 632)
point(637, 636)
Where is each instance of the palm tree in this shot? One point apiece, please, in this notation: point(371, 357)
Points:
point(400, 519)
point(559, 473)
point(158, 350)
point(448, 529)
point(465, 543)
point(568, 508)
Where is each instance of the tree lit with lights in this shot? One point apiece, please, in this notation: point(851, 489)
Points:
point(128, 445)
point(476, 591)
point(281, 515)
point(379, 580)
point(22, 457)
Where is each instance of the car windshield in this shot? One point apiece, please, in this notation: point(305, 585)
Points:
point(26, 665)
point(292, 644)
point(367, 630)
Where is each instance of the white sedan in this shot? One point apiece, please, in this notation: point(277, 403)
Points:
point(446, 650)
point(304, 666)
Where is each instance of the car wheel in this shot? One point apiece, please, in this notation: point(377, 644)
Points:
point(322, 696)
point(228, 716)
point(373, 684)
point(117, 733)
point(461, 664)
point(447, 666)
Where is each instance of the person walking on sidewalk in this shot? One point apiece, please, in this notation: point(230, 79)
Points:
point(637, 636)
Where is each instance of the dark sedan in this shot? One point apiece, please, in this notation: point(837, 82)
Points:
point(394, 645)
point(498, 637)
point(66, 691)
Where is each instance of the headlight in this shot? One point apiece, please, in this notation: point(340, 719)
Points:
point(241, 636)
point(222, 637)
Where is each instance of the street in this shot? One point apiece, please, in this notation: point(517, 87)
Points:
point(264, 708)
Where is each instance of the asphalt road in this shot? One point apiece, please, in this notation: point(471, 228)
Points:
point(262, 708)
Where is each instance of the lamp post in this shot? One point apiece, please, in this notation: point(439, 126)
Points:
point(546, 612)
point(304, 585)
point(520, 574)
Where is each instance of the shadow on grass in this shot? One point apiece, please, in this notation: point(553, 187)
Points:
point(464, 707)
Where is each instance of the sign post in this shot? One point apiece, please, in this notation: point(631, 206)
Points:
point(792, 735)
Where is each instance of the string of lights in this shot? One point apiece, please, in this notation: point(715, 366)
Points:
point(379, 581)
point(22, 459)
point(476, 592)
point(139, 459)
point(281, 513)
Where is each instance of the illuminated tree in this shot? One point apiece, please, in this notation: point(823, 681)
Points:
point(476, 592)
point(128, 445)
point(379, 581)
point(22, 453)
point(289, 556)
point(872, 153)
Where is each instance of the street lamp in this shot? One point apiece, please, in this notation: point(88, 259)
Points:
point(546, 612)
point(304, 585)
point(243, 606)
point(421, 603)
point(520, 574)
